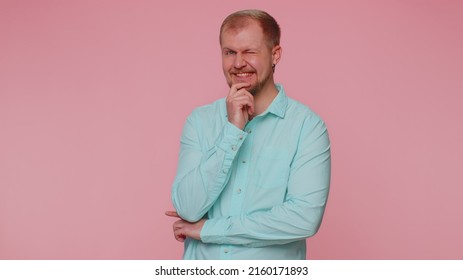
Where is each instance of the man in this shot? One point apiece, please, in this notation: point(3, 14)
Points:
point(254, 167)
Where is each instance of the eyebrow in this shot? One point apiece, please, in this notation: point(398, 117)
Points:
point(227, 48)
point(246, 50)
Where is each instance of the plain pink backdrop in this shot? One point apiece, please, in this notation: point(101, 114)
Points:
point(94, 94)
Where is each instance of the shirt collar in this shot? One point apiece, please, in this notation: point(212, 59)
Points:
point(279, 104)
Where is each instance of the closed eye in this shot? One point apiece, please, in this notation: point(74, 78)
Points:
point(252, 51)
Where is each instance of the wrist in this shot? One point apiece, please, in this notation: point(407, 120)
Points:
point(239, 125)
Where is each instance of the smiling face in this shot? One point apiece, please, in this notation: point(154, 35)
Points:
point(248, 58)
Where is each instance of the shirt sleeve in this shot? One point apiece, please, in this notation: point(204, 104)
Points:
point(301, 213)
point(203, 173)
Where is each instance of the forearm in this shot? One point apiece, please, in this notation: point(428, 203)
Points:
point(301, 213)
point(291, 221)
point(195, 192)
point(202, 175)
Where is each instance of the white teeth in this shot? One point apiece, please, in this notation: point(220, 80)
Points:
point(243, 74)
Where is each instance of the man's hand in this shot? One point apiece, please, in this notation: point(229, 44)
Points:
point(183, 229)
point(240, 105)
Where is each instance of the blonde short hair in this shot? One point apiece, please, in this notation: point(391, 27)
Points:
point(241, 19)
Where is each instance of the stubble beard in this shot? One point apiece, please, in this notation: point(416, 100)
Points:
point(259, 86)
point(254, 90)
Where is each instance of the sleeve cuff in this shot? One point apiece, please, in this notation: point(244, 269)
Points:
point(231, 138)
point(214, 230)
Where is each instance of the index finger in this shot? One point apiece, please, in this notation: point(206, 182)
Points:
point(239, 86)
point(172, 214)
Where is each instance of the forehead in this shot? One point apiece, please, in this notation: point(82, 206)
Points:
point(246, 33)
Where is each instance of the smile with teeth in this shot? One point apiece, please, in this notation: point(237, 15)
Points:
point(242, 75)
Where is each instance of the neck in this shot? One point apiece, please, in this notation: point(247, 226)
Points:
point(264, 98)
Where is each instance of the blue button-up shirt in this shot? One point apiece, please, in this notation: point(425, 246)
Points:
point(263, 189)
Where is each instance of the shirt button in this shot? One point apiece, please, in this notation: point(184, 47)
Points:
point(233, 148)
point(238, 190)
point(241, 137)
point(243, 161)
point(249, 131)
point(225, 251)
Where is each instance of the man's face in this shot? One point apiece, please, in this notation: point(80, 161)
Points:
point(247, 57)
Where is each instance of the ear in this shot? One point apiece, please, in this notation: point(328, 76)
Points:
point(276, 54)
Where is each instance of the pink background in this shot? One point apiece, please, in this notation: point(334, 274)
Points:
point(94, 94)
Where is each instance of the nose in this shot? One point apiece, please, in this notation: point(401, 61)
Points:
point(240, 62)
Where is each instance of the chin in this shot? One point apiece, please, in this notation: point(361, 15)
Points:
point(253, 91)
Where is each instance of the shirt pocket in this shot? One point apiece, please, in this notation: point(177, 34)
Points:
point(272, 168)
